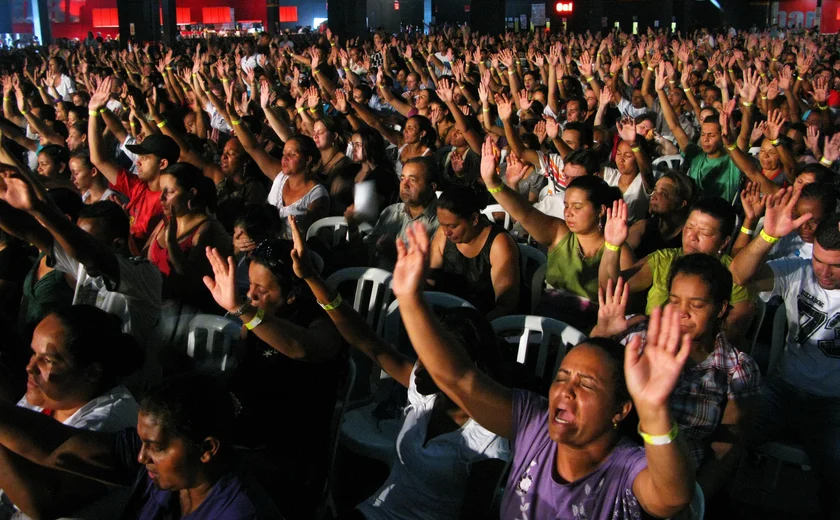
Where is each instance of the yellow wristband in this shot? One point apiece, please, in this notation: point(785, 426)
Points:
point(687, 89)
point(821, 107)
point(6, 98)
point(635, 149)
point(410, 60)
point(747, 231)
point(825, 162)
point(235, 122)
point(162, 124)
point(300, 110)
point(746, 104)
point(256, 320)
point(511, 73)
point(775, 142)
point(133, 124)
point(767, 238)
point(497, 189)
point(612, 247)
point(94, 113)
point(485, 110)
point(23, 112)
point(170, 68)
point(333, 304)
point(588, 80)
point(650, 69)
point(659, 440)
point(732, 147)
point(225, 80)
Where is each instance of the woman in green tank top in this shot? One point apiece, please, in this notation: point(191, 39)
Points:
point(575, 244)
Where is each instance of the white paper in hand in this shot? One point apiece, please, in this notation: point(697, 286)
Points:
point(365, 201)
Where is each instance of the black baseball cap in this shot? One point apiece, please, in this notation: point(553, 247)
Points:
point(158, 144)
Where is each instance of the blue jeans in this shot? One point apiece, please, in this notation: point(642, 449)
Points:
point(787, 413)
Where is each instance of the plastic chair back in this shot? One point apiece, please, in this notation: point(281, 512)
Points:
point(331, 230)
point(667, 162)
point(372, 293)
point(497, 208)
point(211, 340)
point(393, 321)
point(552, 338)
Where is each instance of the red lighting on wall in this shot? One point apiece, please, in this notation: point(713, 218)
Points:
point(564, 7)
point(106, 17)
point(215, 15)
point(288, 14)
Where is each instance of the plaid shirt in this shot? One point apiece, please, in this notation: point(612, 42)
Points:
point(703, 391)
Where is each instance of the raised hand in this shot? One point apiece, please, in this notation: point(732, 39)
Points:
point(831, 150)
point(313, 97)
point(785, 78)
point(101, 96)
point(773, 128)
point(524, 102)
point(18, 193)
point(445, 90)
point(504, 107)
point(457, 162)
point(223, 283)
point(812, 140)
point(627, 129)
point(778, 214)
point(540, 131)
point(616, 228)
point(516, 170)
point(612, 308)
point(552, 127)
point(410, 273)
point(660, 78)
point(489, 163)
point(752, 202)
point(652, 374)
point(301, 261)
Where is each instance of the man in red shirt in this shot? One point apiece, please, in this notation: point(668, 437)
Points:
point(154, 154)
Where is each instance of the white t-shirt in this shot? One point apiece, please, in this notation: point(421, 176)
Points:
point(428, 483)
point(299, 207)
point(106, 195)
point(628, 110)
point(635, 196)
point(553, 205)
point(66, 87)
point(791, 246)
point(135, 297)
point(112, 411)
point(811, 361)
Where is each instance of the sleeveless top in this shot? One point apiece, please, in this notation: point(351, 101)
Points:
point(469, 278)
point(398, 164)
point(652, 240)
point(568, 271)
point(159, 255)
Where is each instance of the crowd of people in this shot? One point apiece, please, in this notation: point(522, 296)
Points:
point(678, 184)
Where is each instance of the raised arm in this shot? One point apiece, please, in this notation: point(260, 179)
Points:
point(105, 165)
point(748, 265)
point(668, 110)
point(269, 165)
point(545, 229)
point(512, 134)
point(350, 324)
point(445, 92)
point(486, 401)
point(316, 344)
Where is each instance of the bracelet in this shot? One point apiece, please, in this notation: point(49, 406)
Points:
point(103, 110)
point(133, 124)
point(822, 107)
point(774, 59)
point(410, 60)
point(235, 122)
point(746, 104)
point(671, 81)
point(333, 304)
point(762, 75)
point(732, 147)
point(731, 70)
point(257, 319)
point(746, 231)
point(162, 123)
point(6, 98)
point(650, 69)
point(775, 142)
point(497, 189)
point(300, 110)
point(238, 312)
point(635, 149)
point(170, 68)
point(687, 89)
point(612, 247)
point(485, 110)
point(589, 80)
point(225, 80)
point(767, 238)
point(40, 88)
point(659, 440)
point(825, 162)
point(93, 113)
point(346, 69)
point(511, 72)
point(313, 110)
point(764, 98)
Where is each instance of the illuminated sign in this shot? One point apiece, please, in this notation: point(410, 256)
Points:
point(564, 7)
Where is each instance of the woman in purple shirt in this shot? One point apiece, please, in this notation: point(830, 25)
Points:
point(178, 458)
point(569, 460)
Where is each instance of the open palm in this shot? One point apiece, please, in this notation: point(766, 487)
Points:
point(412, 262)
point(223, 283)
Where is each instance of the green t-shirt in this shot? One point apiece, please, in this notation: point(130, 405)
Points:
point(568, 271)
point(715, 177)
point(660, 267)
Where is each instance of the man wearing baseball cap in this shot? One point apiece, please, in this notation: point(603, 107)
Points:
point(154, 154)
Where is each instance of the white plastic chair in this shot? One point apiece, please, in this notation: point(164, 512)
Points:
point(338, 225)
point(697, 509)
point(317, 261)
point(497, 208)
point(530, 256)
point(754, 151)
point(671, 162)
point(393, 320)
point(538, 286)
point(532, 262)
point(375, 307)
point(218, 336)
point(550, 331)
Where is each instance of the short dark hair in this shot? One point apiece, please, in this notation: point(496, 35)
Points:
point(685, 187)
point(58, 154)
point(192, 407)
point(95, 336)
point(615, 353)
point(828, 234)
point(112, 218)
point(584, 130)
point(822, 191)
point(429, 166)
point(720, 209)
point(598, 192)
point(68, 201)
point(586, 158)
point(189, 177)
point(709, 269)
point(463, 201)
